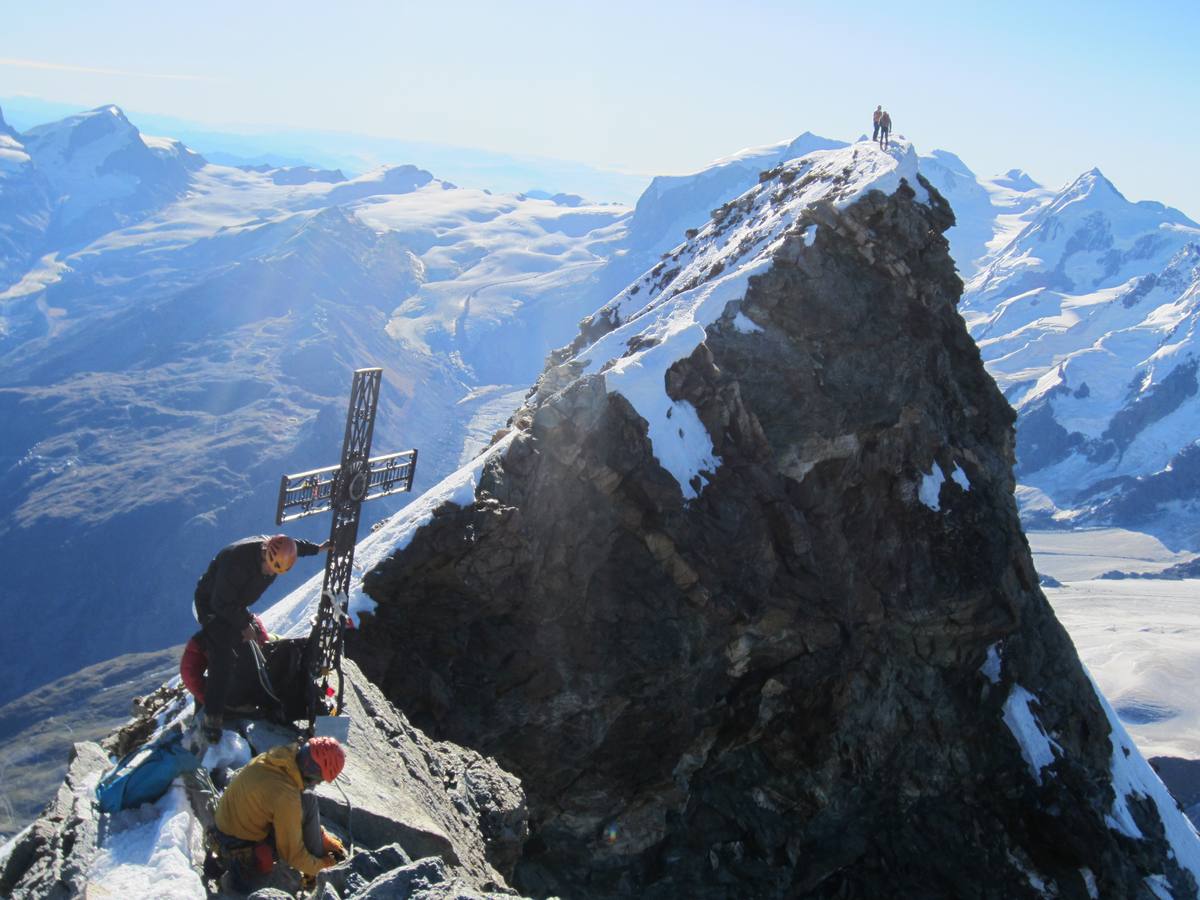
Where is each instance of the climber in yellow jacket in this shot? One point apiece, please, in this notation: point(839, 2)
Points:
point(268, 809)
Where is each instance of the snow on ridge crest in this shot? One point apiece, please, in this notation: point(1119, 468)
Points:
point(749, 229)
point(661, 318)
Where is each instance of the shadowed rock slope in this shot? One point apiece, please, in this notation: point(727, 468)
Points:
point(802, 651)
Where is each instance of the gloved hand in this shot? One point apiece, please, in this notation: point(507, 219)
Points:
point(333, 847)
point(327, 861)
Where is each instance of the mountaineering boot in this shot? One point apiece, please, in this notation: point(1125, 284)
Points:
point(213, 728)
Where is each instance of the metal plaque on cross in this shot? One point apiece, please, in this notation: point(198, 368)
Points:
point(342, 489)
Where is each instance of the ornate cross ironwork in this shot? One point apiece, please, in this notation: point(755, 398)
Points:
point(343, 489)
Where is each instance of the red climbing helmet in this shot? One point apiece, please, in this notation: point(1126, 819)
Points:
point(328, 755)
point(280, 553)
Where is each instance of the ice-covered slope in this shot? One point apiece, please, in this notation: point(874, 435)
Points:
point(1087, 320)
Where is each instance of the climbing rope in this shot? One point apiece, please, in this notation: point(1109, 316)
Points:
point(260, 663)
point(349, 827)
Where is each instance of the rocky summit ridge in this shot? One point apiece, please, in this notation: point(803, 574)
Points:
point(742, 595)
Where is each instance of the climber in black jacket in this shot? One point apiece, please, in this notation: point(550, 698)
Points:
point(237, 576)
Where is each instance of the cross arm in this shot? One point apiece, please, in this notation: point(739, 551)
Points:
point(318, 491)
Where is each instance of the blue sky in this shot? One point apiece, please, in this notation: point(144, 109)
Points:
point(647, 88)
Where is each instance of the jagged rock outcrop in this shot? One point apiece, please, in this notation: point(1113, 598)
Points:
point(429, 819)
point(744, 600)
point(50, 859)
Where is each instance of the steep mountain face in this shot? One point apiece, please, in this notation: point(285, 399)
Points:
point(743, 598)
point(175, 335)
point(1087, 321)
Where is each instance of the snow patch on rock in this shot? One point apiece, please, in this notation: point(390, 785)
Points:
point(931, 488)
point(232, 752)
point(1037, 749)
point(991, 666)
point(745, 324)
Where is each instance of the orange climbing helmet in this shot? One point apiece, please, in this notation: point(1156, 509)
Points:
point(328, 756)
point(280, 553)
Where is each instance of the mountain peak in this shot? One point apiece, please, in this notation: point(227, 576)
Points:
point(1018, 180)
point(1091, 182)
point(104, 125)
point(953, 162)
point(111, 110)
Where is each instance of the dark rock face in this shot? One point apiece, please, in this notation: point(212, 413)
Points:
point(795, 684)
point(1155, 404)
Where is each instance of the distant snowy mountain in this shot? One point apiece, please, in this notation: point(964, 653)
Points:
point(174, 335)
point(990, 212)
point(1087, 319)
point(103, 174)
point(1087, 237)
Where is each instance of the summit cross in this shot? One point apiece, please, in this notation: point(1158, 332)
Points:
point(342, 489)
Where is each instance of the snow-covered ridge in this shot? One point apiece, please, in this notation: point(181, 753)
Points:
point(661, 318)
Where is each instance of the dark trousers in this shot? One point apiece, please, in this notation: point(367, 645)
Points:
point(223, 643)
point(883, 137)
point(875, 132)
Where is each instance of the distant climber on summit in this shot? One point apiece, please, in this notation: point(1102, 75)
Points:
point(885, 128)
point(237, 576)
point(875, 117)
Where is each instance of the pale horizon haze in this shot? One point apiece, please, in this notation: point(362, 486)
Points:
point(647, 89)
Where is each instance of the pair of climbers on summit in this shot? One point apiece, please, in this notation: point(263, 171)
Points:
point(234, 580)
point(882, 123)
point(269, 811)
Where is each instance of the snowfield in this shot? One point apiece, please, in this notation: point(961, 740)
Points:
point(1139, 638)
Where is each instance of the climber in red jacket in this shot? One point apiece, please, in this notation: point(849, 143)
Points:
point(194, 663)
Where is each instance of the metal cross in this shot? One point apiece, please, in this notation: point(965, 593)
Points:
point(343, 489)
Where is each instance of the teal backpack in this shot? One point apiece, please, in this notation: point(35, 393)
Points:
point(145, 774)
